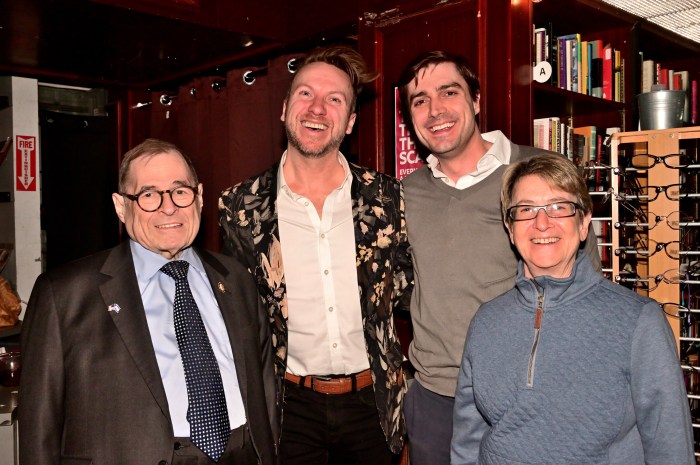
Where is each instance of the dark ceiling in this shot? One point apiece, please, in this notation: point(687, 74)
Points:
point(142, 43)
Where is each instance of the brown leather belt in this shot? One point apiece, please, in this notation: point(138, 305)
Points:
point(324, 385)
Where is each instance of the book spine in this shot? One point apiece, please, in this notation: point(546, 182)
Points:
point(583, 79)
point(647, 75)
point(597, 77)
point(694, 102)
point(599, 162)
point(540, 128)
point(552, 54)
point(566, 76)
point(663, 79)
point(607, 74)
point(684, 77)
point(542, 48)
point(617, 76)
point(573, 44)
point(561, 46)
point(622, 80)
point(579, 67)
point(605, 251)
point(593, 145)
point(677, 85)
point(590, 67)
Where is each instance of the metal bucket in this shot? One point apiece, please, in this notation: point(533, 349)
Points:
point(661, 109)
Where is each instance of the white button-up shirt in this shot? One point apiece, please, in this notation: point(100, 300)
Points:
point(325, 333)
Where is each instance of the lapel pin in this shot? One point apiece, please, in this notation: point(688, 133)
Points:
point(221, 287)
point(114, 308)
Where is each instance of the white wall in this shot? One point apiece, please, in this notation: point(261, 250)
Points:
point(20, 219)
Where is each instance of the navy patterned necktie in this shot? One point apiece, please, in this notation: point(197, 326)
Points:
point(207, 412)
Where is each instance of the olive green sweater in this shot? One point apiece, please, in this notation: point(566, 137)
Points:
point(462, 257)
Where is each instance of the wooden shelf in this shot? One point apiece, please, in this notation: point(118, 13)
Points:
point(634, 37)
point(572, 103)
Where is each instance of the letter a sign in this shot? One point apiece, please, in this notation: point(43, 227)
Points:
point(25, 154)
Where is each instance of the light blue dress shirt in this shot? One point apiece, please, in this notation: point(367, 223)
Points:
point(157, 293)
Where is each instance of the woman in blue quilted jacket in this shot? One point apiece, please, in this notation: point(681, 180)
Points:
point(567, 367)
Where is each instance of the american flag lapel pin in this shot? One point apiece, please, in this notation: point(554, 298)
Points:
point(221, 287)
point(114, 308)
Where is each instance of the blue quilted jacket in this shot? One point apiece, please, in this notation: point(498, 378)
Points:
point(598, 383)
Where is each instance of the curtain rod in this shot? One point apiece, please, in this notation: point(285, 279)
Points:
point(249, 77)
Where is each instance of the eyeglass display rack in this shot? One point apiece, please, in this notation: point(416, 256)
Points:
point(655, 241)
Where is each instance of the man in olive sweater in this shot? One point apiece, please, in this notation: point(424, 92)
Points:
point(462, 256)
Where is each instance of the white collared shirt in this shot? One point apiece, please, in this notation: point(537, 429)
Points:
point(158, 294)
point(497, 155)
point(325, 333)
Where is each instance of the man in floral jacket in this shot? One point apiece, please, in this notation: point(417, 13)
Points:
point(326, 243)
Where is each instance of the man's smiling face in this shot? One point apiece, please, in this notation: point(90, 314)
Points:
point(442, 110)
point(170, 229)
point(318, 111)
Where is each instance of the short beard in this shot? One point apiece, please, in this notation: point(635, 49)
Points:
point(332, 145)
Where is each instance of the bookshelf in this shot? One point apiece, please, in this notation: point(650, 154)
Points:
point(636, 41)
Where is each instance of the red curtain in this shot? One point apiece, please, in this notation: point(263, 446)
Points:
point(231, 129)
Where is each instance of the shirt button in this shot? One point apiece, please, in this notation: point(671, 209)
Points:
point(335, 345)
point(306, 204)
point(330, 309)
point(325, 271)
point(323, 236)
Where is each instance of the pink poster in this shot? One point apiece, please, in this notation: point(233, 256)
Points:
point(407, 159)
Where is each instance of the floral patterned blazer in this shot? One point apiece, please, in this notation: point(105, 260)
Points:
point(248, 217)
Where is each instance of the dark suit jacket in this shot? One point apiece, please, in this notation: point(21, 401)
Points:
point(248, 216)
point(91, 390)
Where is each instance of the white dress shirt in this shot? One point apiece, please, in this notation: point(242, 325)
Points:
point(497, 155)
point(158, 293)
point(325, 333)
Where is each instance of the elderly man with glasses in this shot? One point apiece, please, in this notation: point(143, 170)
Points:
point(153, 351)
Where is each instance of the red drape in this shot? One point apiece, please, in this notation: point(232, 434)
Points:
point(230, 129)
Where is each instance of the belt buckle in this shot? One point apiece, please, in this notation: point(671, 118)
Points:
point(323, 378)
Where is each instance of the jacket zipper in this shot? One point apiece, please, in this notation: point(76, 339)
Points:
point(535, 343)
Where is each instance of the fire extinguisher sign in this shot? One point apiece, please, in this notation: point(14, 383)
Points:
point(25, 154)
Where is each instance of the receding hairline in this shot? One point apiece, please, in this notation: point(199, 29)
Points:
point(126, 176)
point(295, 80)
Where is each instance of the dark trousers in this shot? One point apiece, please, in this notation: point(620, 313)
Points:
point(239, 451)
point(429, 424)
point(327, 429)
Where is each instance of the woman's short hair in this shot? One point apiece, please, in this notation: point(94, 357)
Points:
point(557, 170)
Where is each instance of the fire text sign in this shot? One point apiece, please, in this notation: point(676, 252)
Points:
point(25, 154)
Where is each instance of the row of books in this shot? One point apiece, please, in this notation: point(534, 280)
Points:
point(584, 145)
point(588, 67)
point(657, 76)
point(587, 147)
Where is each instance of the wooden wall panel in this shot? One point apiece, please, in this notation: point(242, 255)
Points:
point(389, 40)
